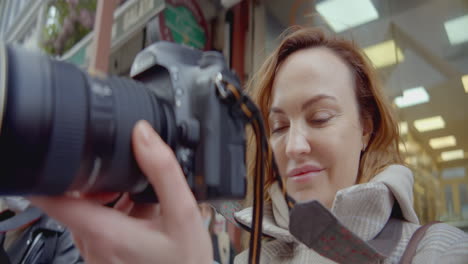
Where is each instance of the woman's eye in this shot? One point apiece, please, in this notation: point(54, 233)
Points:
point(321, 119)
point(278, 128)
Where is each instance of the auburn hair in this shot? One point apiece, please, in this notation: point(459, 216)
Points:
point(382, 149)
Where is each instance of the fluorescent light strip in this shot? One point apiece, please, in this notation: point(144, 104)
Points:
point(430, 123)
point(413, 96)
point(408, 147)
point(457, 30)
point(452, 155)
point(344, 14)
point(384, 54)
point(465, 82)
point(442, 142)
point(403, 126)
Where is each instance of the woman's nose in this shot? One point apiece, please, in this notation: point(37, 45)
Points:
point(297, 143)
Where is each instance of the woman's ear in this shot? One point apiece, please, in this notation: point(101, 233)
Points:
point(367, 130)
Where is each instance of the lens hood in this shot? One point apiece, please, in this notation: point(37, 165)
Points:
point(3, 81)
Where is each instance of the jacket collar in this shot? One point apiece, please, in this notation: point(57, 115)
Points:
point(363, 208)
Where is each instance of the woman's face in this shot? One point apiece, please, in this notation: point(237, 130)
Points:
point(316, 132)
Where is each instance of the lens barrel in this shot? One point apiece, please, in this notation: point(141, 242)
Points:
point(3, 73)
point(62, 129)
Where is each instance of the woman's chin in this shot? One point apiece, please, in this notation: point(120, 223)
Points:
point(303, 196)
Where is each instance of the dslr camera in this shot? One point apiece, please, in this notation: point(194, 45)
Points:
point(62, 129)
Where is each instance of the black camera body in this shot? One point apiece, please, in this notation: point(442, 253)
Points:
point(64, 130)
point(211, 133)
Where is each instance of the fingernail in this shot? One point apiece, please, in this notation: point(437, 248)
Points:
point(146, 132)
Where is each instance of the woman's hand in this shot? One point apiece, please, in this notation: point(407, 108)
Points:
point(171, 232)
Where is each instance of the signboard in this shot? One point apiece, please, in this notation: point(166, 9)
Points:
point(183, 22)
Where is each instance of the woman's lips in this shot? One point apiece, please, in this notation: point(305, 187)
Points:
point(304, 173)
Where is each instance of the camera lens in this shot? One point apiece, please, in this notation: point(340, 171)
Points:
point(65, 130)
point(3, 69)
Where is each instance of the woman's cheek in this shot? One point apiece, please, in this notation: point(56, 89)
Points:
point(279, 153)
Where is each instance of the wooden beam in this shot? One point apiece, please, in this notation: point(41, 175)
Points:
point(102, 36)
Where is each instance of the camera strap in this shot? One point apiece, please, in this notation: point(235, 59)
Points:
point(10, 221)
point(333, 240)
point(25, 218)
point(232, 95)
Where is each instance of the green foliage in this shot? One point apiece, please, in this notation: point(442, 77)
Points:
point(57, 38)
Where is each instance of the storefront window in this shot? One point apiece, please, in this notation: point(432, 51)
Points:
point(464, 200)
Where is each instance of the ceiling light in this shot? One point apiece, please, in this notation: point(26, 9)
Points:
point(384, 54)
point(465, 82)
point(413, 96)
point(403, 126)
point(431, 123)
point(442, 142)
point(344, 14)
point(456, 29)
point(452, 155)
point(409, 147)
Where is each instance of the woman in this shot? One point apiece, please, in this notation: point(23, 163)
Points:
point(334, 140)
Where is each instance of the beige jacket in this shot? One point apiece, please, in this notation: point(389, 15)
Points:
point(364, 209)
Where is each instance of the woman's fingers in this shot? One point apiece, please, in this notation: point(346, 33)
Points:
point(101, 198)
point(179, 218)
point(124, 204)
point(158, 163)
point(78, 214)
point(139, 233)
point(101, 232)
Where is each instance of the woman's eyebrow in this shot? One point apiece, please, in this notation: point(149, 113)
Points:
point(306, 104)
point(316, 99)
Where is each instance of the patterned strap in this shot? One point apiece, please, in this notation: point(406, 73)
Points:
point(334, 241)
point(227, 209)
point(414, 242)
